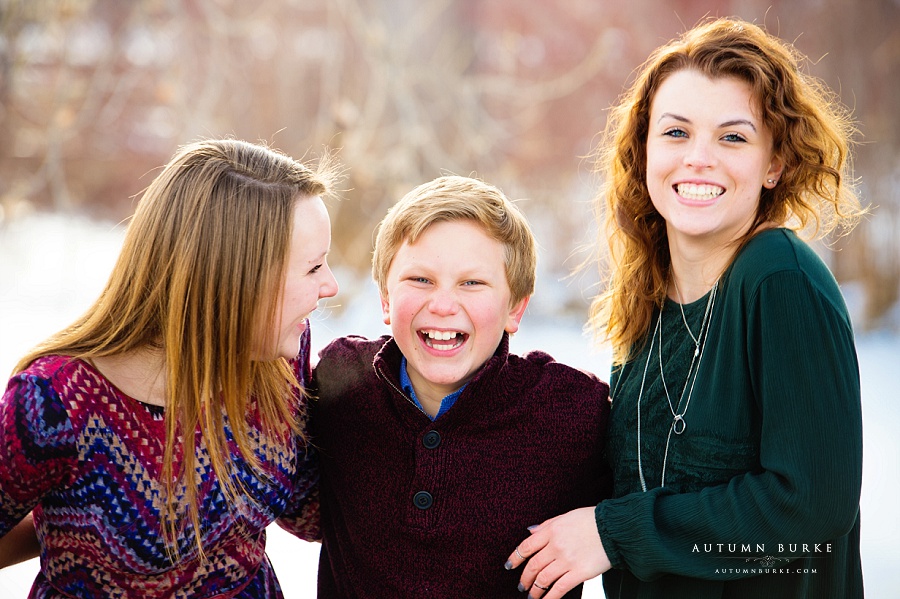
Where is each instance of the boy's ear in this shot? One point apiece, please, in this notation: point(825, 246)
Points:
point(386, 310)
point(515, 315)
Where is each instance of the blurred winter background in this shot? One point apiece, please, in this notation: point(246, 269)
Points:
point(96, 94)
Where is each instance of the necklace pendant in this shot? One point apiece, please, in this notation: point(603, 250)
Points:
point(678, 425)
point(696, 350)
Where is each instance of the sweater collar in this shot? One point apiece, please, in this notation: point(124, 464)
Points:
point(388, 360)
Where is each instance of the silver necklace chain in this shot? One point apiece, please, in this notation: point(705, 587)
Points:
point(641, 395)
point(678, 425)
point(684, 320)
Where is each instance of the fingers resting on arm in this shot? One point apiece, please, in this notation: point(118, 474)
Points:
point(560, 554)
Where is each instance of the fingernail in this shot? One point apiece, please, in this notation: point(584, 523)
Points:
point(508, 565)
point(521, 588)
point(529, 596)
point(533, 526)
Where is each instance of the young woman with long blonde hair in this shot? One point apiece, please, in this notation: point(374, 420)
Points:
point(156, 437)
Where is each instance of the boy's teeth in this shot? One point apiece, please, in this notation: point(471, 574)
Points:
point(441, 335)
point(443, 340)
point(699, 192)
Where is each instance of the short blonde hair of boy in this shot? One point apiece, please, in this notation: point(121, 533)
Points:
point(452, 198)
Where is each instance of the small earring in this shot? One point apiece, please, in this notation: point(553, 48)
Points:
point(770, 181)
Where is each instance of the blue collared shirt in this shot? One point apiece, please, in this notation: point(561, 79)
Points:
point(407, 387)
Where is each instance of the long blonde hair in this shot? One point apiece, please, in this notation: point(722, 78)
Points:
point(198, 276)
point(812, 134)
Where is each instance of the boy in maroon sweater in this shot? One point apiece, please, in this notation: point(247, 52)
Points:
point(439, 447)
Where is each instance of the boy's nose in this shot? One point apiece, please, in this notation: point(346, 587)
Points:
point(443, 302)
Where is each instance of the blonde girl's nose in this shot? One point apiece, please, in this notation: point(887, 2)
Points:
point(329, 287)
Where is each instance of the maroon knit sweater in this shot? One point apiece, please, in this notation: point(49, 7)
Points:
point(415, 508)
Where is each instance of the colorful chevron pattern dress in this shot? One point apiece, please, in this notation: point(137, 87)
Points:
point(86, 459)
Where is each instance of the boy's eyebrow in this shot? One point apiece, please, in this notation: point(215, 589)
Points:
point(730, 123)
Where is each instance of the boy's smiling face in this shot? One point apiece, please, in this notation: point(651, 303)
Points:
point(448, 305)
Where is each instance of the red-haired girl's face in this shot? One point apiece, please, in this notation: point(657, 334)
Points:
point(709, 155)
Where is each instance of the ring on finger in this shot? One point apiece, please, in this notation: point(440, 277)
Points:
point(540, 586)
point(521, 557)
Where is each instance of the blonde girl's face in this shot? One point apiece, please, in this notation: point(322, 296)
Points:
point(709, 155)
point(308, 278)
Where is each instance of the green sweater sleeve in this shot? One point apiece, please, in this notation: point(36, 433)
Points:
point(803, 380)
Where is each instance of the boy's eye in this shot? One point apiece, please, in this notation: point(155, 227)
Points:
point(470, 283)
point(315, 269)
point(419, 280)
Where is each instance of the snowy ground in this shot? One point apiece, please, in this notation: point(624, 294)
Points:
point(52, 267)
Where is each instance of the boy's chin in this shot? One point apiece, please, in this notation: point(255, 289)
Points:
point(441, 377)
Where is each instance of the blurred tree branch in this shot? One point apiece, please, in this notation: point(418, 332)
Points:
point(96, 94)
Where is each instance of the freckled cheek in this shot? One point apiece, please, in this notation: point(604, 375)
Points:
point(407, 315)
point(482, 319)
point(406, 306)
point(657, 178)
point(652, 176)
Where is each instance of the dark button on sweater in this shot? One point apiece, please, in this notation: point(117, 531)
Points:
point(431, 439)
point(423, 500)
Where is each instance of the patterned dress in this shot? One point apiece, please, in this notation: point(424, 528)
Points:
point(87, 459)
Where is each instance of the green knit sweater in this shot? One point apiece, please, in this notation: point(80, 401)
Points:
point(761, 495)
